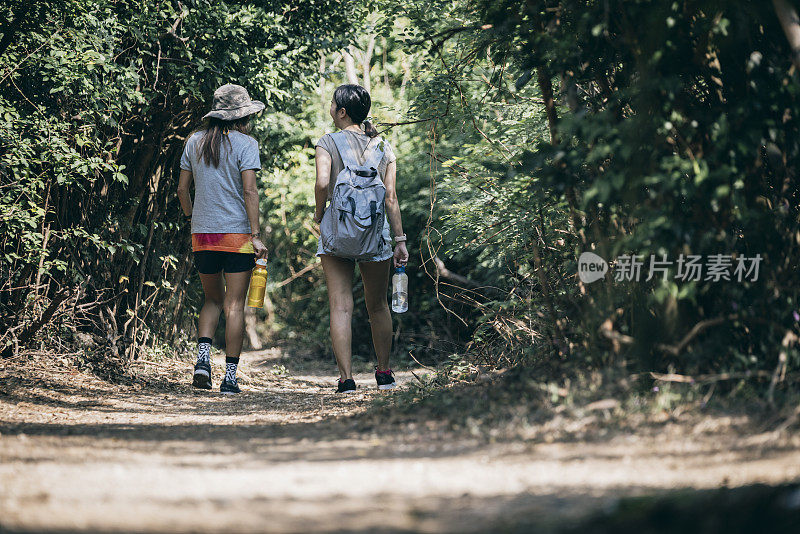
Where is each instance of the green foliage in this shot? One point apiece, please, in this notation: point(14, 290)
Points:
point(672, 129)
point(675, 132)
point(97, 100)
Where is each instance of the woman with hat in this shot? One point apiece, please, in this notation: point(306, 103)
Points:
point(222, 160)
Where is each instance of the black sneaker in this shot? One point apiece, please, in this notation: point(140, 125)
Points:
point(229, 386)
point(346, 386)
point(385, 380)
point(202, 375)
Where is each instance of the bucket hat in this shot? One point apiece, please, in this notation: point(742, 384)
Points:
point(232, 102)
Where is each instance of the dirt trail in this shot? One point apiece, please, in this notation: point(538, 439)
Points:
point(287, 455)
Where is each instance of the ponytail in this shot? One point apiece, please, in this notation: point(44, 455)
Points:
point(369, 129)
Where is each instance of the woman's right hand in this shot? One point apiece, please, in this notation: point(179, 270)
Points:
point(400, 254)
point(260, 249)
point(318, 214)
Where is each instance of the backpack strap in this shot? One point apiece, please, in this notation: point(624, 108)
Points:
point(352, 202)
point(345, 150)
point(373, 211)
point(375, 157)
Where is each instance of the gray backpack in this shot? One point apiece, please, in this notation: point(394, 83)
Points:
point(352, 225)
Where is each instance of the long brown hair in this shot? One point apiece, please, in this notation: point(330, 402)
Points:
point(216, 130)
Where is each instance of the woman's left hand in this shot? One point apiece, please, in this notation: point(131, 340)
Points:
point(260, 249)
point(400, 254)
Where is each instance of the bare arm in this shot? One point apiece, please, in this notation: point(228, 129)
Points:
point(251, 199)
point(183, 192)
point(393, 213)
point(392, 205)
point(251, 207)
point(323, 161)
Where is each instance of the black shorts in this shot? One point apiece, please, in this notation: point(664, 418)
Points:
point(214, 261)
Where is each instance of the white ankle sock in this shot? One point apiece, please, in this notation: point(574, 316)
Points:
point(204, 352)
point(230, 372)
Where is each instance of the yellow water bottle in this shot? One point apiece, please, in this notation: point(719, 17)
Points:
point(258, 285)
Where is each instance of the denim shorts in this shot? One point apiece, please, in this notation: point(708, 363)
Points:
point(387, 238)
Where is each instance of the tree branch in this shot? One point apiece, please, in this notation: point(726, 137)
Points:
point(446, 34)
point(444, 272)
point(297, 275)
point(706, 379)
point(34, 327)
point(694, 332)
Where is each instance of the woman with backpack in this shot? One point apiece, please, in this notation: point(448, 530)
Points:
point(222, 159)
point(355, 195)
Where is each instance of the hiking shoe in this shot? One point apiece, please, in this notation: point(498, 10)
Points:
point(346, 386)
point(202, 375)
point(229, 387)
point(385, 379)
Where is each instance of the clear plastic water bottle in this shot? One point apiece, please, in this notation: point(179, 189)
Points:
point(400, 290)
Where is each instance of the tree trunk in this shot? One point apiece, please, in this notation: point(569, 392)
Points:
point(349, 66)
point(546, 88)
point(406, 75)
point(385, 46)
point(790, 23)
point(250, 322)
point(321, 86)
point(367, 62)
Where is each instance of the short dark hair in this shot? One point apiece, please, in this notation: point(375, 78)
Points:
point(356, 102)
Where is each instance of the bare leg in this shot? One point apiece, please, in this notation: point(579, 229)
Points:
point(339, 279)
point(214, 297)
point(376, 284)
point(235, 292)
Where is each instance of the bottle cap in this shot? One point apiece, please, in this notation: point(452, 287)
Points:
point(262, 262)
point(400, 269)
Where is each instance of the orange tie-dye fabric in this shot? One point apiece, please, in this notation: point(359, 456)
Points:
point(223, 242)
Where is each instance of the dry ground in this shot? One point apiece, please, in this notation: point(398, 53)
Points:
point(289, 455)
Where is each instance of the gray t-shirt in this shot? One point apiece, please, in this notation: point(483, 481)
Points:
point(358, 142)
point(218, 192)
